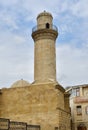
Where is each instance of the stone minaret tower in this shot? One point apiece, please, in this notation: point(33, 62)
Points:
point(44, 35)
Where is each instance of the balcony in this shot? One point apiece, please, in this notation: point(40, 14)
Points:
point(81, 100)
point(44, 26)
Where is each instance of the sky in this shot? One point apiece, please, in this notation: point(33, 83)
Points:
point(18, 17)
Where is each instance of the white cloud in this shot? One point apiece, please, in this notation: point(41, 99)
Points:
point(17, 17)
point(72, 64)
point(8, 2)
point(16, 54)
point(7, 20)
point(80, 8)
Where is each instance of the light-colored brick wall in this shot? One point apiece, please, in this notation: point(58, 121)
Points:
point(36, 104)
point(44, 18)
point(44, 102)
point(45, 50)
point(81, 100)
point(45, 60)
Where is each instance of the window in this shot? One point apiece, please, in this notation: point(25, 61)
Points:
point(86, 109)
point(79, 110)
point(77, 92)
point(56, 128)
point(47, 25)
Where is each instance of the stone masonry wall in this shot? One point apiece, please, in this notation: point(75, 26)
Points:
point(36, 104)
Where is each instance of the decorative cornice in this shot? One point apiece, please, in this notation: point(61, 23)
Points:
point(44, 34)
point(63, 110)
point(59, 87)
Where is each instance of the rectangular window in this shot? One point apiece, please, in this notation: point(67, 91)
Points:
point(77, 92)
point(87, 110)
point(79, 110)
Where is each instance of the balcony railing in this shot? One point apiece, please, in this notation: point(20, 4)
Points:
point(81, 99)
point(44, 26)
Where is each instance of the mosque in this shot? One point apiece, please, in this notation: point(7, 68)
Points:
point(43, 102)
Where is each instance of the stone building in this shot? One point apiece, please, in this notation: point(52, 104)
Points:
point(79, 106)
point(43, 102)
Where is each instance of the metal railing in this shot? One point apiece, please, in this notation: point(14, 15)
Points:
point(43, 26)
point(6, 124)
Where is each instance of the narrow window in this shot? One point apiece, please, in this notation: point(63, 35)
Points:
point(77, 92)
point(86, 109)
point(79, 110)
point(47, 25)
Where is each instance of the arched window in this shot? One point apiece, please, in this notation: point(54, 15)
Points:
point(47, 25)
point(81, 127)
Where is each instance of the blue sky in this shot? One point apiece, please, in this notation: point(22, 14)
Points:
point(18, 17)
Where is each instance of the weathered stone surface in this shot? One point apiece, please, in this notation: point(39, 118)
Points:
point(45, 50)
point(41, 104)
point(79, 98)
point(44, 102)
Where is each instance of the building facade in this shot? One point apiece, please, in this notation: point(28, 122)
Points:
point(43, 102)
point(79, 106)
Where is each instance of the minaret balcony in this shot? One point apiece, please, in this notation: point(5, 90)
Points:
point(45, 26)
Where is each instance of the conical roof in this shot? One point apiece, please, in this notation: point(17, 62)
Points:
point(20, 83)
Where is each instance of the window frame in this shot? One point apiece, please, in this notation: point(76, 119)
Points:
point(77, 92)
point(86, 110)
point(79, 110)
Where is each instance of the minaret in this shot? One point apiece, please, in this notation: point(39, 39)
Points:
point(44, 36)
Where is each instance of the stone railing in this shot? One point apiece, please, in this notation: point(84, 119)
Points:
point(6, 124)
